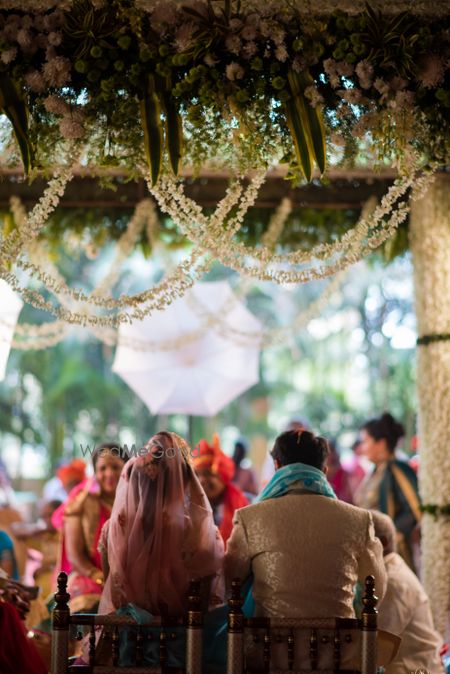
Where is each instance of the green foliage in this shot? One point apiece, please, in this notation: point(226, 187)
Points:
point(252, 81)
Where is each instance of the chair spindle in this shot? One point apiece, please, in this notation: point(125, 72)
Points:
point(336, 650)
point(313, 649)
point(92, 646)
point(194, 643)
point(139, 647)
point(115, 646)
point(369, 628)
point(60, 627)
point(266, 650)
point(291, 649)
point(235, 647)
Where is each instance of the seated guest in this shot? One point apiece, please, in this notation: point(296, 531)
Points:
point(66, 476)
point(43, 537)
point(71, 474)
point(8, 516)
point(298, 524)
point(8, 562)
point(405, 610)
point(244, 476)
point(17, 653)
point(81, 519)
point(43, 542)
point(161, 534)
point(215, 471)
point(391, 488)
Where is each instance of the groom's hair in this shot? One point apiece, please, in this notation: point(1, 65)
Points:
point(300, 447)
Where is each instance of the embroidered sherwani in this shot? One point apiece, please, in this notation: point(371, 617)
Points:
point(306, 553)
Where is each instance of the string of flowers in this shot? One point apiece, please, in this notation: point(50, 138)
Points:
point(156, 298)
point(172, 286)
point(48, 334)
point(32, 330)
point(268, 337)
point(151, 295)
point(12, 245)
point(145, 215)
point(41, 343)
point(368, 234)
point(277, 223)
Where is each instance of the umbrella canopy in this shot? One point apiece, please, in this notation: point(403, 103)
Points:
point(10, 306)
point(181, 365)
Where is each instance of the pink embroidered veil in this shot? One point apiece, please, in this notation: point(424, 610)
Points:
point(161, 533)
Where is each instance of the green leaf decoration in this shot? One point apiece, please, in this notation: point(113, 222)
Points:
point(305, 124)
point(313, 117)
point(150, 107)
point(173, 127)
point(14, 106)
point(302, 149)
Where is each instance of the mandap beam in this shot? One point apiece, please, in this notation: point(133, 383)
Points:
point(344, 189)
point(430, 245)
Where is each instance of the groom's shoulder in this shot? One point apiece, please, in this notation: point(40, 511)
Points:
point(309, 503)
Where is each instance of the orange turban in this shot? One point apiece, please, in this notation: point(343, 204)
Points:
point(75, 471)
point(212, 457)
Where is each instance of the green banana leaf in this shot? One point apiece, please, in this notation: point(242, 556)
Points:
point(302, 148)
point(174, 131)
point(150, 108)
point(311, 118)
point(14, 106)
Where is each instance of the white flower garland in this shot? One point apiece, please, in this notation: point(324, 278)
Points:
point(430, 245)
point(268, 337)
point(33, 337)
point(213, 239)
point(145, 215)
point(12, 245)
point(43, 336)
point(358, 242)
point(172, 286)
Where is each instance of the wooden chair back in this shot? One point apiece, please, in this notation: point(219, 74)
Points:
point(161, 629)
point(298, 646)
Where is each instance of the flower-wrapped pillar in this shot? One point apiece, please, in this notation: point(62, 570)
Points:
point(430, 244)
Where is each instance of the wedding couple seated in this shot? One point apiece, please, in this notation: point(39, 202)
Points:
point(299, 551)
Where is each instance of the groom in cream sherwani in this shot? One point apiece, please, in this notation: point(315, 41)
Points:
point(305, 549)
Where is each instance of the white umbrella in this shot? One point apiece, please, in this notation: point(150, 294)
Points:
point(191, 368)
point(10, 306)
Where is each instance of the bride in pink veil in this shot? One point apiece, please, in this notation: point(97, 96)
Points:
point(161, 534)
